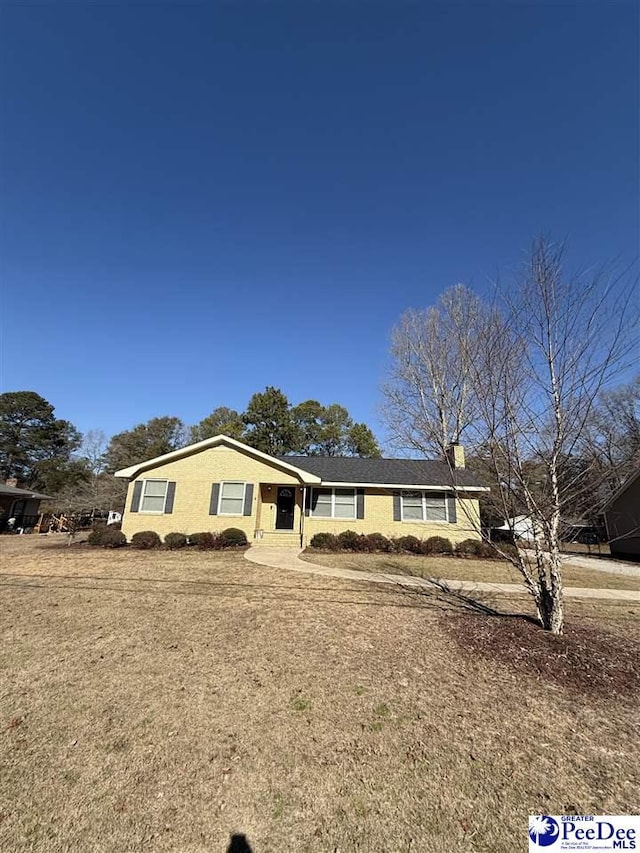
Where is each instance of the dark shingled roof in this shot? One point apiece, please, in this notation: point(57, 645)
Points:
point(354, 469)
point(12, 491)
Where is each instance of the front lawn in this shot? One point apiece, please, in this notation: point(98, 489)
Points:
point(162, 701)
point(457, 568)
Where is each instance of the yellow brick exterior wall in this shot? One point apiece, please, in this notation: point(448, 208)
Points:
point(194, 475)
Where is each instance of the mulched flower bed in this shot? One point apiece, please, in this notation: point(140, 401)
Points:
point(583, 660)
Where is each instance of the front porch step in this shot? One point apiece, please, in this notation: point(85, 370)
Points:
point(278, 539)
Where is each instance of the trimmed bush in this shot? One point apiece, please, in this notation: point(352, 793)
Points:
point(467, 548)
point(113, 538)
point(145, 540)
point(206, 541)
point(476, 548)
point(97, 532)
point(173, 541)
point(436, 545)
point(378, 542)
point(349, 540)
point(409, 543)
point(325, 542)
point(232, 537)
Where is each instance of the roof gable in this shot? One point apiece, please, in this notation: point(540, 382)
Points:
point(305, 476)
point(623, 488)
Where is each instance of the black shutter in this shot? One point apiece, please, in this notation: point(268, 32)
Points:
point(248, 498)
point(307, 502)
point(171, 493)
point(135, 500)
point(359, 503)
point(453, 515)
point(397, 511)
point(213, 504)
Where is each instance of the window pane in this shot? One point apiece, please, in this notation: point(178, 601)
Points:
point(345, 494)
point(231, 506)
point(412, 513)
point(233, 490)
point(321, 503)
point(436, 513)
point(322, 511)
point(345, 503)
point(152, 503)
point(155, 488)
point(436, 508)
point(345, 511)
point(434, 499)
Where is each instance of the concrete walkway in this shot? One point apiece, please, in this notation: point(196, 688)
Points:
point(602, 564)
point(288, 559)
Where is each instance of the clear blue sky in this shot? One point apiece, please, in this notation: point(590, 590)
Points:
point(202, 200)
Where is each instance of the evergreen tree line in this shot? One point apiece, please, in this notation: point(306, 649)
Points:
point(47, 453)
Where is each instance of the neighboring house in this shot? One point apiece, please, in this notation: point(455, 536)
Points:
point(521, 526)
point(221, 482)
point(622, 518)
point(19, 508)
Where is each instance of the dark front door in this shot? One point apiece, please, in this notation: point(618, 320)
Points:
point(285, 507)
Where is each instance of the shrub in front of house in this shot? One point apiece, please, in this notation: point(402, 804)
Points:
point(232, 537)
point(436, 545)
point(408, 543)
point(174, 541)
point(378, 542)
point(205, 541)
point(467, 548)
point(145, 540)
point(349, 540)
point(113, 538)
point(96, 535)
point(476, 548)
point(325, 542)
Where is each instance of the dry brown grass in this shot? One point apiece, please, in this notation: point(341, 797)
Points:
point(163, 701)
point(455, 568)
point(601, 550)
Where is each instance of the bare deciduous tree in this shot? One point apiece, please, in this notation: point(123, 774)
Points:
point(532, 365)
point(429, 395)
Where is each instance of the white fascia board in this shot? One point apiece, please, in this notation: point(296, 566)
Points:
point(414, 486)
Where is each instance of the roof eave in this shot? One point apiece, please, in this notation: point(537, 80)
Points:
point(620, 491)
point(423, 486)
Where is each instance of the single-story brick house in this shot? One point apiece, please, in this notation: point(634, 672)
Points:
point(622, 519)
point(19, 508)
point(221, 482)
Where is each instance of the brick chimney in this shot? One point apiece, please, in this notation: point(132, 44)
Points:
point(11, 481)
point(455, 455)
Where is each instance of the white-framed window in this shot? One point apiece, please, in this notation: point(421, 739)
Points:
point(424, 506)
point(154, 495)
point(231, 501)
point(333, 503)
